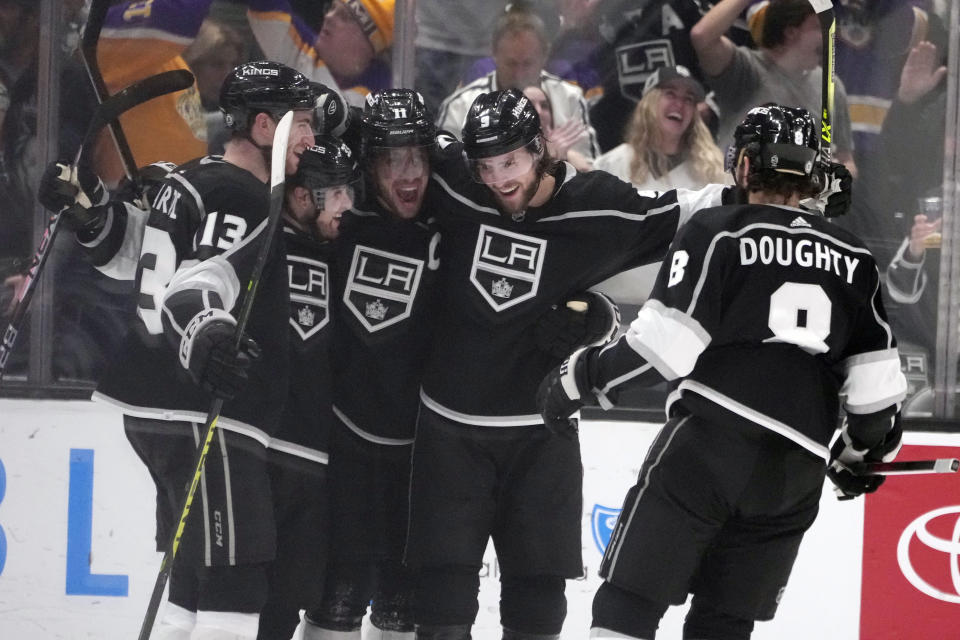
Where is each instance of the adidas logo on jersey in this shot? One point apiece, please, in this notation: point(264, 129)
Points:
point(799, 222)
point(501, 288)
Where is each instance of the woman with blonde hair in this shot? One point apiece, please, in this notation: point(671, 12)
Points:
point(667, 144)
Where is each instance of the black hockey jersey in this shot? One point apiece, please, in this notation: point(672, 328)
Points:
point(386, 303)
point(766, 314)
point(500, 275)
point(199, 246)
point(307, 413)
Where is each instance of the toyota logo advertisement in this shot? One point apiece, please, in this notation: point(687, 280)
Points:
point(911, 555)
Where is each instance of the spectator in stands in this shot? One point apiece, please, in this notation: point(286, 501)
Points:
point(558, 139)
point(667, 146)
point(912, 140)
point(138, 41)
point(346, 53)
point(216, 50)
point(451, 36)
point(785, 68)
point(634, 41)
point(520, 49)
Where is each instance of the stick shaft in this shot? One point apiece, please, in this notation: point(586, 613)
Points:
point(908, 467)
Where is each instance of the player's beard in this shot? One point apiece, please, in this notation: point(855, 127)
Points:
point(517, 208)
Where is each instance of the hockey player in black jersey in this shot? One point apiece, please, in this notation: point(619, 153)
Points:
point(520, 236)
point(387, 267)
point(197, 250)
point(764, 316)
point(317, 197)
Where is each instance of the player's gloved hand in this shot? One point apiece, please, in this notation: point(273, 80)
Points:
point(848, 451)
point(563, 392)
point(331, 112)
point(848, 485)
point(207, 352)
point(837, 193)
point(76, 193)
point(586, 319)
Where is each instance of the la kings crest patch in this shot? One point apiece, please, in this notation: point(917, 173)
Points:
point(506, 266)
point(309, 295)
point(381, 287)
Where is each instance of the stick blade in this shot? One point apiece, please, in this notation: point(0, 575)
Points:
point(278, 158)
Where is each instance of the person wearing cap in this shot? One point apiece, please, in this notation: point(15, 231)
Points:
point(667, 146)
point(520, 48)
point(785, 68)
point(346, 52)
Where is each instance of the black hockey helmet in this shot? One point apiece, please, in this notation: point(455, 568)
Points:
point(329, 163)
point(782, 139)
point(255, 87)
point(397, 118)
point(499, 122)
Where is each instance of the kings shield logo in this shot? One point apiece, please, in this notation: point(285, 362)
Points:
point(309, 295)
point(602, 522)
point(506, 266)
point(381, 287)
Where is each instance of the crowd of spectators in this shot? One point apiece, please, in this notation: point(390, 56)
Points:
point(586, 65)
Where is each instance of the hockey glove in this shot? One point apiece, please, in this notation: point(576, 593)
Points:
point(208, 353)
point(584, 320)
point(76, 193)
point(563, 391)
point(837, 193)
point(848, 451)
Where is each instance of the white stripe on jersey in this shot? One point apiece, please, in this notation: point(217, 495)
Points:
point(461, 198)
point(480, 421)
point(668, 339)
point(366, 435)
point(873, 381)
point(750, 414)
point(298, 450)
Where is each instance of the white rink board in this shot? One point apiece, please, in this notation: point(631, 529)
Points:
point(43, 514)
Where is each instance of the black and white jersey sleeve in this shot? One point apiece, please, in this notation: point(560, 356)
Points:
point(199, 245)
point(765, 315)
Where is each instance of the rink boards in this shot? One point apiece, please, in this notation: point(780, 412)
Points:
point(76, 538)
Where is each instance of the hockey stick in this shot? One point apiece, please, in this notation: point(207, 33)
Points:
point(88, 50)
point(278, 162)
point(107, 111)
point(828, 25)
point(906, 467)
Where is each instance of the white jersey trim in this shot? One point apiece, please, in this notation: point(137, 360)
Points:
point(667, 338)
point(750, 414)
point(463, 199)
point(480, 421)
point(184, 415)
point(299, 451)
point(366, 435)
point(873, 381)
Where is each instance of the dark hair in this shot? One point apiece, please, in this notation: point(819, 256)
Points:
point(780, 15)
point(776, 182)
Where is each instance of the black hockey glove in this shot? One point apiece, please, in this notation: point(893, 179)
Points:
point(587, 319)
point(76, 193)
point(837, 193)
point(563, 392)
point(213, 362)
point(848, 451)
